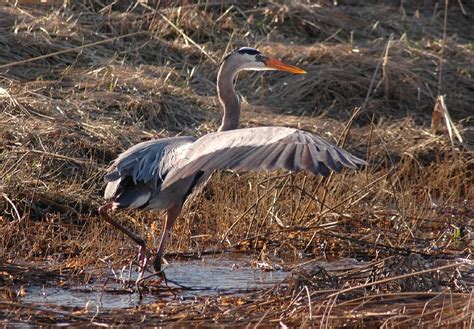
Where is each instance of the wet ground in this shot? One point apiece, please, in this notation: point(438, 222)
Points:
point(221, 275)
point(226, 288)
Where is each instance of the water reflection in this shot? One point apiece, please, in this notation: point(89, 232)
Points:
point(225, 274)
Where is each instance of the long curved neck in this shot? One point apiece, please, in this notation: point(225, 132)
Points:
point(228, 97)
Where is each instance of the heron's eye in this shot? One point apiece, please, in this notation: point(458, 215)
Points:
point(259, 58)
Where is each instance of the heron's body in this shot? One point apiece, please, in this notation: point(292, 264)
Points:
point(136, 177)
point(160, 174)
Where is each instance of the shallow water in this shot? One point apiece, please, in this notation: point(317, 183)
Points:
point(205, 277)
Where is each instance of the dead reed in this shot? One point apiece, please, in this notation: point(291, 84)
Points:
point(80, 83)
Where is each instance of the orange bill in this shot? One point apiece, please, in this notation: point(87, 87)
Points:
point(279, 65)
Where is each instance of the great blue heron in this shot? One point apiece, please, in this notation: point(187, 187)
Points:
point(160, 174)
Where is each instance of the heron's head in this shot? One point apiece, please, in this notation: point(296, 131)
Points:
point(251, 59)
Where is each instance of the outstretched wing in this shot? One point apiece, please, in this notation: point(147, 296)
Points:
point(136, 173)
point(262, 148)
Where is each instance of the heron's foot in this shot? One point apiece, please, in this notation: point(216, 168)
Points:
point(158, 270)
point(162, 276)
point(157, 263)
point(141, 280)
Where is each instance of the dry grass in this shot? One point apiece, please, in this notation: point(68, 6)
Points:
point(64, 117)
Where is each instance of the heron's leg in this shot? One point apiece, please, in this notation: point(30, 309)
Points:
point(103, 213)
point(144, 253)
point(171, 215)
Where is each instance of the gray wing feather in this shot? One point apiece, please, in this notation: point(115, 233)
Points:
point(262, 148)
point(145, 163)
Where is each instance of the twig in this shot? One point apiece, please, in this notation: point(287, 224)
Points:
point(309, 303)
point(426, 305)
point(365, 189)
point(263, 317)
point(464, 12)
point(449, 122)
point(385, 68)
point(33, 194)
point(400, 251)
point(443, 44)
point(377, 68)
point(13, 206)
point(180, 31)
point(224, 236)
point(29, 60)
point(58, 156)
point(404, 276)
point(404, 295)
point(42, 309)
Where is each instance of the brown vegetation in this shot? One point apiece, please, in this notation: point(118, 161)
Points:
point(82, 82)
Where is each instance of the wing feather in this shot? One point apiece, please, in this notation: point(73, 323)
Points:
point(135, 174)
point(262, 148)
point(270, 162)
point(287, 157)
point(306, 160)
